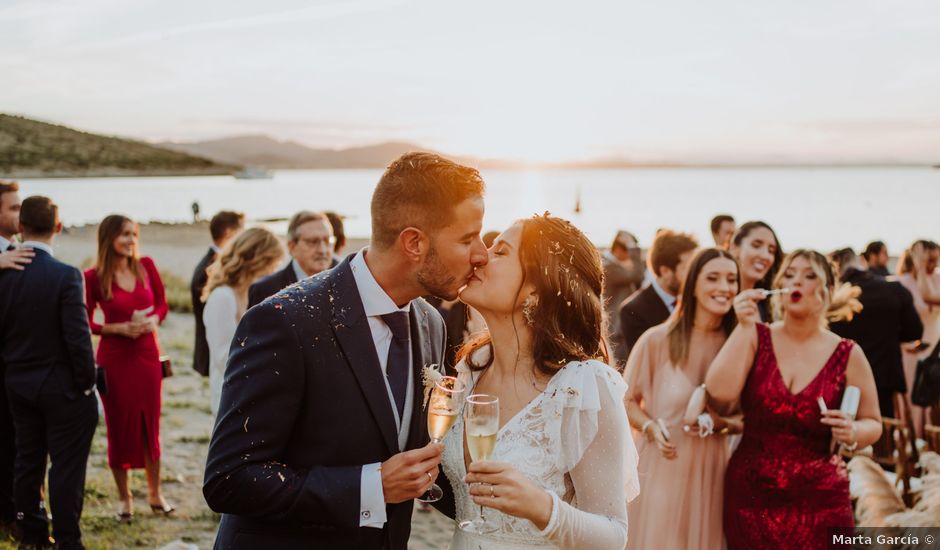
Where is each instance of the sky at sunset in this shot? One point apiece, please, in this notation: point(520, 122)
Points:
point(720, 81)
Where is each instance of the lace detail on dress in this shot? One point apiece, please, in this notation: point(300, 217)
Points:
point(544, 441)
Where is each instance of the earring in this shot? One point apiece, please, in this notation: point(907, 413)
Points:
point(528, 310)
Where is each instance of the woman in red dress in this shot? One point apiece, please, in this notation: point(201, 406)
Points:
point(122, 283)
point(785, 486)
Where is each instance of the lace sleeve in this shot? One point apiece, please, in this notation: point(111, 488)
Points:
point(595, 435)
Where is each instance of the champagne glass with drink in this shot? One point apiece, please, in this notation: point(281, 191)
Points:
point(444, 405)
point(482, 422)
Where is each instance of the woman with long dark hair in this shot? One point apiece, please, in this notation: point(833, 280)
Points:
point(757, 249)
point(129, 291)
point(785, 486)
point(682, 466)
point(564, 465)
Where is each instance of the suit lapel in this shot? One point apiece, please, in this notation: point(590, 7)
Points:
point(420, 357)
point(351, 328)
point(289, 276)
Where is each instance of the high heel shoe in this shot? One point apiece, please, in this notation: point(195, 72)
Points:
point(162, 509)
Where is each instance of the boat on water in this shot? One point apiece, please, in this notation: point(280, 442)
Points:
point(254, 173)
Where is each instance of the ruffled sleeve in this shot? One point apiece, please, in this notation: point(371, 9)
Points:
point(589, 421)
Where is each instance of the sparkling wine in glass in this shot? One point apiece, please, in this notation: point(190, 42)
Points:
point(443, 407)
point(482, 425)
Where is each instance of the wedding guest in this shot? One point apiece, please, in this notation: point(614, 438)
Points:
point(668, 259)
point(681, 471)
point(876, 258)
point(887, 320)
point(722, 227)
point(310, 243)
point(917, 271)
point(130, 293)
point(254, 253)
point(223, 227)
point(336, 222)
point(757, 249)
point(10, 258)
point(623, 275)
point(564, 464)
point(784, 486)
point(50, 378)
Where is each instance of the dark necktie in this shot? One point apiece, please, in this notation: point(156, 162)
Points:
point(396, 369)
point(11, 247)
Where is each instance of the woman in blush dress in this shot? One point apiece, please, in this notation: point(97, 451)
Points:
point(129, 291)
point(251, 255)
point(917, 271)
point(785, 486)
point(757, 249)
point(564, 464)
point(682, 473)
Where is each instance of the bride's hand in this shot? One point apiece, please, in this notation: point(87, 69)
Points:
point(502, 487)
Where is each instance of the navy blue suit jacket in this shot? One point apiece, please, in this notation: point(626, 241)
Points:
point(44, 334)
point(271, 285)
point(304, 406)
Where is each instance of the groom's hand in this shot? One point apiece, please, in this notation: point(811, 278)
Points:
point(408, 475)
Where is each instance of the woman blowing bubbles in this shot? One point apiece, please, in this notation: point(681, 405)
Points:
point(784, 486)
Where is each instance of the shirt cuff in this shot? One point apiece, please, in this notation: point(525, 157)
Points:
point(371, 497)
point(553, 519)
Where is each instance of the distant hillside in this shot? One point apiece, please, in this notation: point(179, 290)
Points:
point(271, 153)
point(29, 148)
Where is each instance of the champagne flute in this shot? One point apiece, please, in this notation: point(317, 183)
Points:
point(482, 421)
point(443, 407)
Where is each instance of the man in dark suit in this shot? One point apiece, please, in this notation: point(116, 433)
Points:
point(321, 440)
point(623, 274)
point(668, 260)
point(10, 258)
point(223, 227)
point(310, 244)
point(45, 344)
point(888, 319)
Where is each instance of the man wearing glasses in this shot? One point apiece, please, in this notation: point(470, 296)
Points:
point(310, 243)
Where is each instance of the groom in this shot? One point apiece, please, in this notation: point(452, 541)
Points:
point(321, 440)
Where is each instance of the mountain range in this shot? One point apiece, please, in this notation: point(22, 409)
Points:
point(30, 148)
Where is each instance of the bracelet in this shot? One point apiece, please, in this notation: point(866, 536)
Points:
point(850, 448)
point(646, 425)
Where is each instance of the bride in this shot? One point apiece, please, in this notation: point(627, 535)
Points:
point(564, 465)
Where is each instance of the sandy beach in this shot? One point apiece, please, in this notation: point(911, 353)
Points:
point(186, 424)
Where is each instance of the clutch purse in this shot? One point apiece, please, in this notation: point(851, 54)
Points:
point(696, 405)
point(166, 366)
point(100, 384)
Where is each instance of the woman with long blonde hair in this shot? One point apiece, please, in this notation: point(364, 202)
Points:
point(254, 253)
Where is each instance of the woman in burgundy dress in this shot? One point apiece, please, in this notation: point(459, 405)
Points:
point(785, 486)
point(121, 284)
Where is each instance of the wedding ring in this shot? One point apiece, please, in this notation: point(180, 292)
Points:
point(430, 477)
point(492, 491)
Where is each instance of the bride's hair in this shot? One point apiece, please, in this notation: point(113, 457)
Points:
point(566, 319)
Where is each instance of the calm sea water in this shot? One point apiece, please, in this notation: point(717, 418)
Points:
point(816, 207)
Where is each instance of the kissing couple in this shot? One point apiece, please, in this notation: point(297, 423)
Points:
point(321, 439)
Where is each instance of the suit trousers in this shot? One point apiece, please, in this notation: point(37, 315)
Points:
point(7, 457)
point(62, 428)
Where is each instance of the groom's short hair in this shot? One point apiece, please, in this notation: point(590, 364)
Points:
point(420, 190)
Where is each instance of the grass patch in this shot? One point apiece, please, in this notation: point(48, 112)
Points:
point(198, 439)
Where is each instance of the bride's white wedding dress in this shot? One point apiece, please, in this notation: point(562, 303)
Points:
point(574, 441)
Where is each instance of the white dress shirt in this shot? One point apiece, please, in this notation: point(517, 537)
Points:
point(668, 299)
point(36, 245)
point(298, 271)
point(376, 302)
point(4, 244)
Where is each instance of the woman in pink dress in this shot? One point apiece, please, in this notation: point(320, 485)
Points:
point(785, 486)
point(129, 291)
point(682, 472)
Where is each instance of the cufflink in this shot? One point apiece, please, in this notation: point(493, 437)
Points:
point(366, 514)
